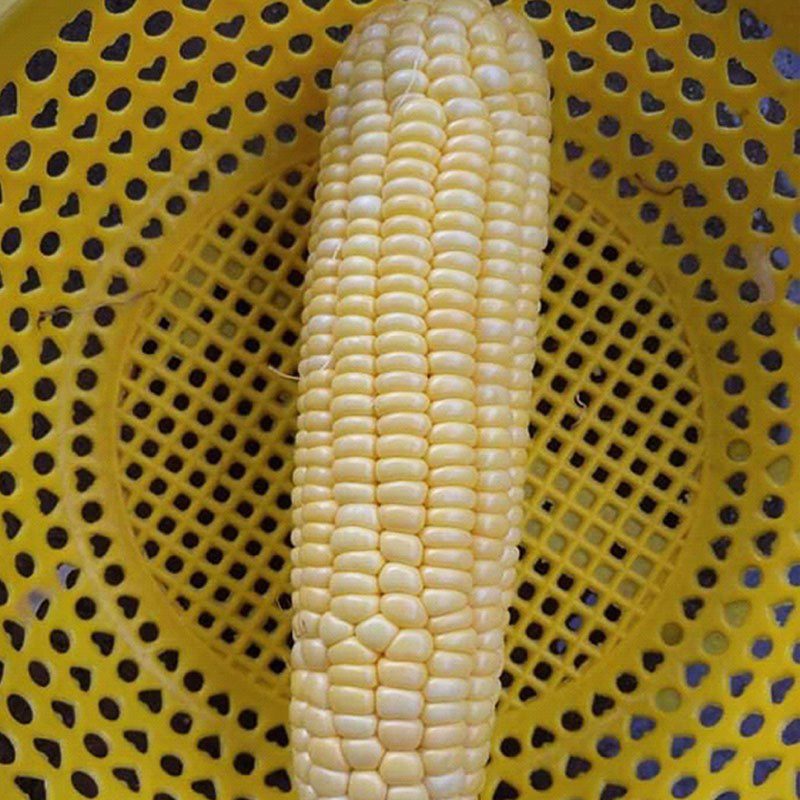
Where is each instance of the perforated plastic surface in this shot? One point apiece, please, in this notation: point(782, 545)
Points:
point(156, 167)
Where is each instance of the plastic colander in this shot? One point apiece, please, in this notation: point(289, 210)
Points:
point(157, 172)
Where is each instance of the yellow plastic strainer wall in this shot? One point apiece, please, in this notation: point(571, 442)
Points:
point(156, 174)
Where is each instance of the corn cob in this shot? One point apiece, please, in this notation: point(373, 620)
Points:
point(417, 348)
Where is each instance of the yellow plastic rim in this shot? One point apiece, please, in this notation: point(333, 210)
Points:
point(156, 167)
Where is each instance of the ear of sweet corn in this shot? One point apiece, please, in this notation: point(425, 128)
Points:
point(415, 378)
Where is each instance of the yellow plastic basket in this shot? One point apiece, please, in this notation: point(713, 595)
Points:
point(157, 169)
